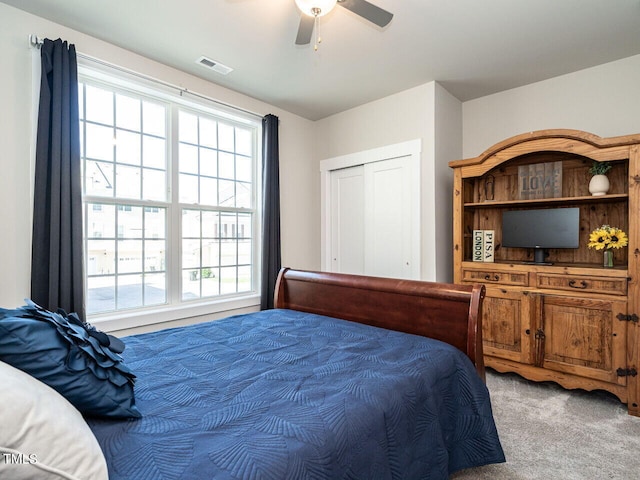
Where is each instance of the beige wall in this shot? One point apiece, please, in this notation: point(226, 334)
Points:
point(604, 100)
point(298, 171)
point(429, 113)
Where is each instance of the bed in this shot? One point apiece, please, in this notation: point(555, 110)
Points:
point(338, 381)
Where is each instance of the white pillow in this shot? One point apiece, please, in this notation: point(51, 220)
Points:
point(42, 435)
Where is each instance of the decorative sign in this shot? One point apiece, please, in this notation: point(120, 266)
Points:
point(483, 245)
point(540, 180)
point(478, 245)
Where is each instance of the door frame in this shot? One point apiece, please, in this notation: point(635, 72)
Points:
point(411, 149)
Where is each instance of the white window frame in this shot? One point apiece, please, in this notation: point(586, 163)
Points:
point(176, 308)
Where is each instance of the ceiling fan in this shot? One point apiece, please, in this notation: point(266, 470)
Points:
point(313, 9)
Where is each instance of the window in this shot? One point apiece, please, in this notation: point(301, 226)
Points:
point(169, 199)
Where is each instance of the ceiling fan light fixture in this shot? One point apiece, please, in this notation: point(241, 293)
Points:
point(316, 8)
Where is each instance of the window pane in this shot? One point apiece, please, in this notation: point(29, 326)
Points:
point(81, 102)
point(129, 291)
point(191, 253)
point(129, 256)
point(153, 184)
point(208, 162)
point(208, 191)
point(227, 165)
point(127, 112)
point(188, 188)
point(101, 220)
point(228, 252)
point(244, 252)
point(225, 137)
point(153, 119)
point(210, 221)
point(155, 289)
point(228, 280)
point(153, 152)
point(227, 193)
point(188, 158)
point(101, 294)
point(101, 255)
point(154, 222)
point(99, 179)
point(190, 223)
point(210, 253)
point(81, 133)
point(100, 142)
point(188, 127)
point(208, 133)
point(127, 182)
point(244, 171)
point(127, 147)
point(244, 142)
point(154, 255)
point(99, 105)
point(244, 225)
point(210, 282)
point(129, 221)
point(243, 195)
point(190, 284)
point(244, 279)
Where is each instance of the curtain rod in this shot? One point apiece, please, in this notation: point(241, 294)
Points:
point(37, 42)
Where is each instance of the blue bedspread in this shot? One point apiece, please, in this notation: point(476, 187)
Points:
point(281, 394)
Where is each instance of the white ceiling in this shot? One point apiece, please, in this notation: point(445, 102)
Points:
point(471, 47)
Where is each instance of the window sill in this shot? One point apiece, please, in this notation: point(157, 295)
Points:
point(139, 318)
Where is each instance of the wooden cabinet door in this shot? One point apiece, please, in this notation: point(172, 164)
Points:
point(506, 325)
point(582, 336)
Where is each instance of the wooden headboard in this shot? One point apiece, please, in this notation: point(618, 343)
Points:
point(447, 312)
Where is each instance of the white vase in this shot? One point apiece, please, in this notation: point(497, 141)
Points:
point(599, 185)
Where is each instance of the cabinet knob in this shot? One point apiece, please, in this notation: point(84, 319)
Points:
point(489, 278)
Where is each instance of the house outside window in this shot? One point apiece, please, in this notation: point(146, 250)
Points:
point(169, 196)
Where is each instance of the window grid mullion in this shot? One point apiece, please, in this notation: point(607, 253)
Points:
point(126, 271)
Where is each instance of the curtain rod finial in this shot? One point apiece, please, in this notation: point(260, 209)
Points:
point(34, 41)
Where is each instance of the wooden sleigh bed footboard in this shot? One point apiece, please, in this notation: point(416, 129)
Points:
point(446, 312)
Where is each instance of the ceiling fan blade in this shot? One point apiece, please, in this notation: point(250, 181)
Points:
point(305, 30)
point(368, 11)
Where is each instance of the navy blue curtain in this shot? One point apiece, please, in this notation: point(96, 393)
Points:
point(57, 278)
point(271, 255)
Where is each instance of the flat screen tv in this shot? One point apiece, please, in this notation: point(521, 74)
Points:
point(541, 229)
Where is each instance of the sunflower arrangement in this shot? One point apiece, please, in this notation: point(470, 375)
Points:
point(607, 237)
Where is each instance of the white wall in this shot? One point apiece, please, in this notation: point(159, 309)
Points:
point(603, 100)
point(413, 114)
point(298, 170)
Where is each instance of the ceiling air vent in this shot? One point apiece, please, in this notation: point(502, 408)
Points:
point(213, 65)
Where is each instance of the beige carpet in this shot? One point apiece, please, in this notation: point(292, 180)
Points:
point(549, 433)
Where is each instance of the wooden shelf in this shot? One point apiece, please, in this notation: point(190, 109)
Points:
point(548, 201)
point(617, 270)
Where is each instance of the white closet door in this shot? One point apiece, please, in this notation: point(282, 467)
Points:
point(347, 220)
point(388, 218)
point(371, 212)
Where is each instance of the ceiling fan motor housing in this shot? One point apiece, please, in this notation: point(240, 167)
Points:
point(316, 8)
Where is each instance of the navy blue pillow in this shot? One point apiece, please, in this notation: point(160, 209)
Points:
point(58, 350)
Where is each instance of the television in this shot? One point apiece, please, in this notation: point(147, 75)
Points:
point(541, 229)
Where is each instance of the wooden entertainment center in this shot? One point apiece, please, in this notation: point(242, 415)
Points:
point(571, 320)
